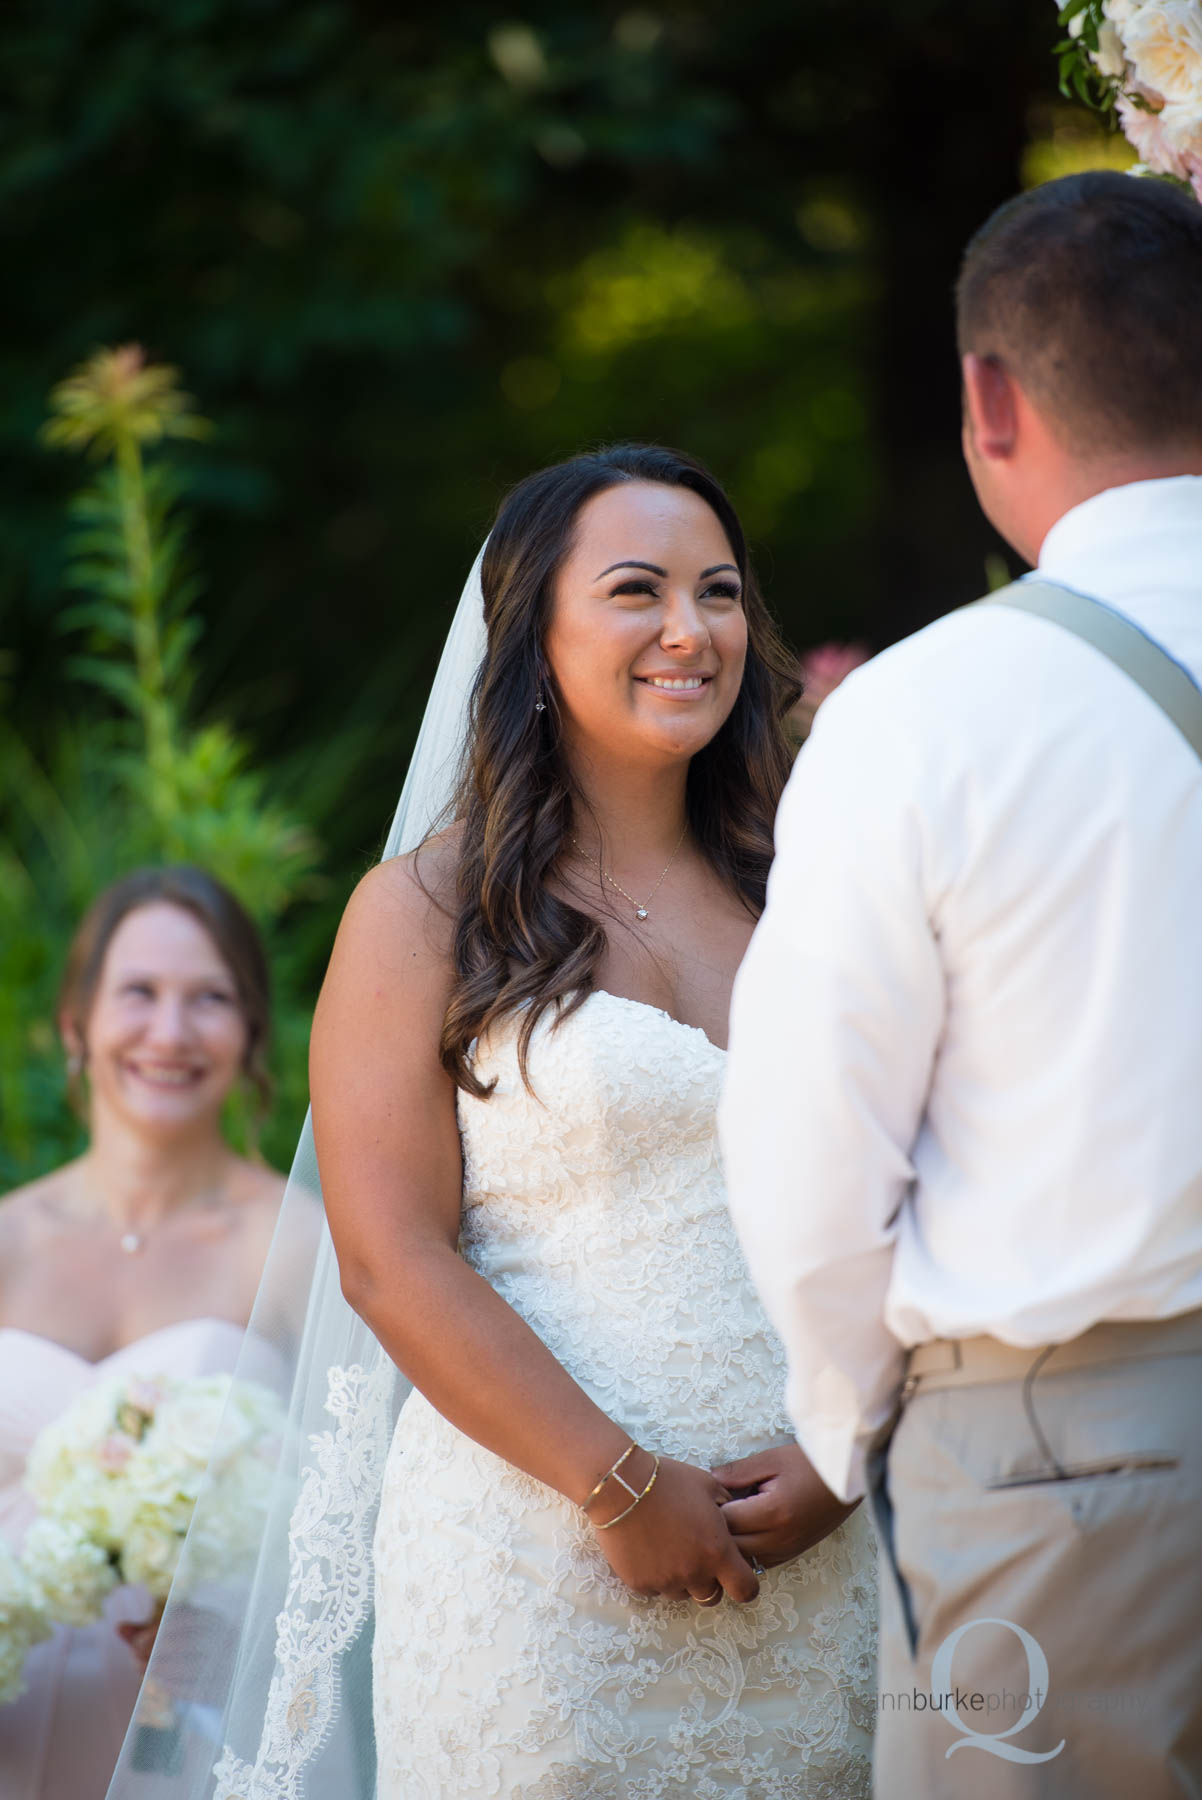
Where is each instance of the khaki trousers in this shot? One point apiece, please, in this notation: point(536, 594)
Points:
point(1040, 1522)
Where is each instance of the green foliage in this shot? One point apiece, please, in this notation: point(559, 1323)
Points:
point(139, 783)
point(407, 255)
point(1079, 78)
point(369, 232)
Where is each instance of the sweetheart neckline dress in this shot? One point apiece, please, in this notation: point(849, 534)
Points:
point(508, 1659)
point(60, 1739)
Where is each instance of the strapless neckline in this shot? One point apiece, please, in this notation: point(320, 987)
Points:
point(136, 1345)
point(659, 1011)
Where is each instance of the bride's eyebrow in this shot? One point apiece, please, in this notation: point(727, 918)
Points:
point(653, 568)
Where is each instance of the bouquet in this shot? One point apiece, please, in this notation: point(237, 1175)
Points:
point(117, 1476)
point(23, 1622)
point(1143, 59)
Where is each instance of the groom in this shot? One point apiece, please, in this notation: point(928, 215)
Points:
point(963, 1119)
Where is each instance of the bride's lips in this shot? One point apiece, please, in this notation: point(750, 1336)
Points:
point(695, 684)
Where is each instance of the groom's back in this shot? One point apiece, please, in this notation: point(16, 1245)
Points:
point(1058, 815)
point(969, 1176)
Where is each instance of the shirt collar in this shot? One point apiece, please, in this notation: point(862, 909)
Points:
point(1142, 538)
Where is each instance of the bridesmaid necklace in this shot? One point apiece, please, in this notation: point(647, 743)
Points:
point(211, 1200)
point(133, 1239)
point(640, 907)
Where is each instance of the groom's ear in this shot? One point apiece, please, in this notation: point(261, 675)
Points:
point(991, 407)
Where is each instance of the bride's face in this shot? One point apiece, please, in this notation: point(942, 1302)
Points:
point(647, 636)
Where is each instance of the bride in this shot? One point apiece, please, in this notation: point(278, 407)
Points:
point(603, 1568)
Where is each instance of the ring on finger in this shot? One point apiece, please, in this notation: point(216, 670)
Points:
point(757, 1566)
point(712, 1599)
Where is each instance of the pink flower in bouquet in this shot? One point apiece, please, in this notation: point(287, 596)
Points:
point(1163, 39)
point(147, 1393)
point(115, 1452)
point(1168, 141)
point(1182, 123)
point(1147, 134)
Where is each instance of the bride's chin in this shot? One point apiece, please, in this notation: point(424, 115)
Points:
point(670, 747)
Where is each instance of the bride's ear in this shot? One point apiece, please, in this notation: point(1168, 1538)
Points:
point(991, 407)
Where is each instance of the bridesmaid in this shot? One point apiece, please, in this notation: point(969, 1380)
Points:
point(143, 1254)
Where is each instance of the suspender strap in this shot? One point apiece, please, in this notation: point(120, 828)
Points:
point(1137, 655)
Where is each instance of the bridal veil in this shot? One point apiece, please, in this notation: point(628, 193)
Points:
point(259, 1686)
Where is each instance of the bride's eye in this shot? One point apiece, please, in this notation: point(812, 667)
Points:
point(723, 590)
point(634, 587)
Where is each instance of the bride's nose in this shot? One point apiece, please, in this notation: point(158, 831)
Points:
point(684, 628)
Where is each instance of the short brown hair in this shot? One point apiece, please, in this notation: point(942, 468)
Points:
point(228, 924)
point(1089, 291)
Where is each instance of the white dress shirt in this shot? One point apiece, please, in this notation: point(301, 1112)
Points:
point(964, 1089)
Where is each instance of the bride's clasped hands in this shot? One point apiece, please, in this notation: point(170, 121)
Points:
point(777, 1507)
point(663, 1532)
point(703, 1537)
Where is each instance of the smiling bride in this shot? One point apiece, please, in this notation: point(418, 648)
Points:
point(604, 1569)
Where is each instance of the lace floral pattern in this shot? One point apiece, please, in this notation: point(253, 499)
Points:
point(508, 1658)
point(329, 1587)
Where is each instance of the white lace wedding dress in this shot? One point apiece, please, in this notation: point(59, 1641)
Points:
point(508, 1658)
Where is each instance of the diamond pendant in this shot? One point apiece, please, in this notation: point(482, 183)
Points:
point(640, 912)
point(131, 1243)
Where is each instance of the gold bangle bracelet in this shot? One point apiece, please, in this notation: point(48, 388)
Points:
point(628, 1452)
point(637, 1497)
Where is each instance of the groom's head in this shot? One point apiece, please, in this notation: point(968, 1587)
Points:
point(1079, 315)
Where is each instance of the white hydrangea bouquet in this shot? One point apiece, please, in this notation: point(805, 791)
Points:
point(1141, 59)
point(116, 1479)
point(23, 1622)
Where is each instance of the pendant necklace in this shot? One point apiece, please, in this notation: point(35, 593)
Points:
point(640, 907)
point(134, 1240)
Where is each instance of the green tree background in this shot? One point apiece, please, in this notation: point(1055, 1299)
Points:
point(403, 256)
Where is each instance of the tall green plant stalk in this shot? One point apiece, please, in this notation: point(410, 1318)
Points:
point(109, 408)
point(137, 782)
point(203, 803)
point(152, 683)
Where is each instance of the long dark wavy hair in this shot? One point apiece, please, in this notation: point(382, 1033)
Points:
point(517, 944)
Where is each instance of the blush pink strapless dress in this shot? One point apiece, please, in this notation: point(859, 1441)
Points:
point(60, 1739)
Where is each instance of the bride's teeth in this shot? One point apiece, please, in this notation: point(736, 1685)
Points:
point(691, 681)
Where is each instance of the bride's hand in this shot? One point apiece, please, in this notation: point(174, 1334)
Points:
point(780, 1507)
point(675, 1543)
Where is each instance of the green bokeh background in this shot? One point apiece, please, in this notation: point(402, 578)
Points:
point(404, 255)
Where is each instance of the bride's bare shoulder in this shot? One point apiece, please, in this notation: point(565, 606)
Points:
point(410, 898)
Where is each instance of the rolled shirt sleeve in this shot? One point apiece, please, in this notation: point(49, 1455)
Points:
point(835, 1021)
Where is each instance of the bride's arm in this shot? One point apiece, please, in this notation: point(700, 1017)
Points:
point(388, 1149)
